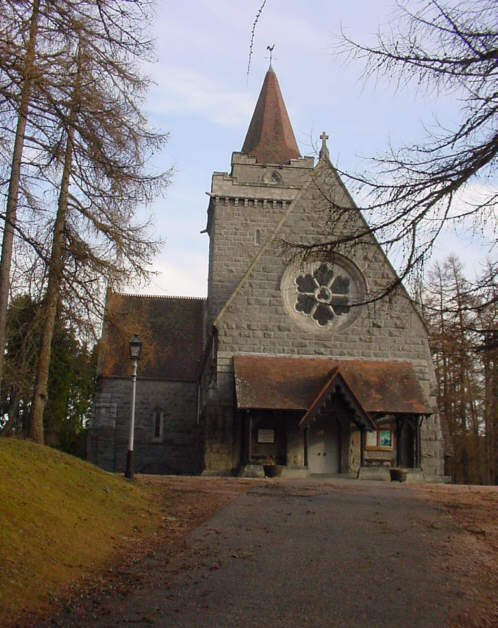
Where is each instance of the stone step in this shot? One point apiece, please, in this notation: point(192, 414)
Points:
point(252, 471)
point(380, 474)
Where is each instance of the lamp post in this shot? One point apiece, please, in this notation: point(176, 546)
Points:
point(135, 350)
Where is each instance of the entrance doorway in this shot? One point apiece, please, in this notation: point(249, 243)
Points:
point(406, 445)
point(323, 446)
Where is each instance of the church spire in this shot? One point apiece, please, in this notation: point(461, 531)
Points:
point(270, 137)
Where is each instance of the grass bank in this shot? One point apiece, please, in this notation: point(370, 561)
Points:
point(61, 520)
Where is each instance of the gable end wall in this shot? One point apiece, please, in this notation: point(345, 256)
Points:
point(256, 320)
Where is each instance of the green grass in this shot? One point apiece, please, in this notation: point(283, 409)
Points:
point(61, 519)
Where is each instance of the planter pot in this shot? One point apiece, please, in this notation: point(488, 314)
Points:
point(272, 470)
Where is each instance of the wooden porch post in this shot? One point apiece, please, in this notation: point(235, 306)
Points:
point(399, 428)
point(339, 437)
point(306, 429)
point(362, 446)
point(249, 438)
point(418, 441)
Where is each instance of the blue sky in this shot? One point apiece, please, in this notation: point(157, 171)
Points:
point(203, 97)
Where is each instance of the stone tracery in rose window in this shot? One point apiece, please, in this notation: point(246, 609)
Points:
point(323, 294)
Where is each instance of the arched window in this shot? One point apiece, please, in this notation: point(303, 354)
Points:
point(157, 425)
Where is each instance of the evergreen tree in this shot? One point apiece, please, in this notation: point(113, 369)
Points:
point(70, 385)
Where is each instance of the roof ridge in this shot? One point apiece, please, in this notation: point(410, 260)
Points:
point(334, 374)
point(158, 296)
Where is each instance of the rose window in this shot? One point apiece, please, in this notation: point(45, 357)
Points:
point(323, 294)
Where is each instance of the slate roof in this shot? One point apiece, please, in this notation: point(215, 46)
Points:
point(171, 329)
point(270, 137)
point(387, 387)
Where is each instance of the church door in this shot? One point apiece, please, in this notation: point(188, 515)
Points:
point(323, 447)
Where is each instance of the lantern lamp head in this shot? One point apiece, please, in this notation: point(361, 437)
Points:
point(135, 347)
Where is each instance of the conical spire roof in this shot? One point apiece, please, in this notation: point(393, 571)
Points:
point(270, 137)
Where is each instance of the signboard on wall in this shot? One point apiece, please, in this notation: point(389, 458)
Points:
point(371, 440)
point(266, 436)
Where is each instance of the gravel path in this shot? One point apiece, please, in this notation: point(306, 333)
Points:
point(302, 553)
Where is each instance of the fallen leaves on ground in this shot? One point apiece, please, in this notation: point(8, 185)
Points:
point(473, 547)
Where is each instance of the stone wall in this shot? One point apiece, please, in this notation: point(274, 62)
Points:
point(177, 449)
point(295, 442)
point(244, 211)
point(221, 437)
point(354, 453)
point(257, 321)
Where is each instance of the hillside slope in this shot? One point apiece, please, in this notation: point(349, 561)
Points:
point(61, 519)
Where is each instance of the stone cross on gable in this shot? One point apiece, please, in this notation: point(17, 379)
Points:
point(324, 151)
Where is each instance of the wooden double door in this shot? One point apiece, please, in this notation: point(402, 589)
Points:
point(323, 446)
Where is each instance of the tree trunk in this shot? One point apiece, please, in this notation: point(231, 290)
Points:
point(54, 274)
point(490, 404)
point(15, 173)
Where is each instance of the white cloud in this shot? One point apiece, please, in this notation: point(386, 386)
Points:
point(470, 197)
point(177, 275)
point(186, 91)
point(471, 250)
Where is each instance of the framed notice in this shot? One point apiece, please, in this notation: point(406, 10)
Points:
point(385, 439)
point(266, 436)
point(380, 440)
point(371, 440)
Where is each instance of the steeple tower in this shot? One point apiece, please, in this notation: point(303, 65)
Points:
point(270, 137)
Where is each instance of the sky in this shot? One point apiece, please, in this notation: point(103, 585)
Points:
point(204, 98)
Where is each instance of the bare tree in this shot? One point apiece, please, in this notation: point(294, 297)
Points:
point(27, 75)
point(56, 262)
point(90, 144)
point(94, 240)
point(415, 191)
point(487, 350)
point(462, 324)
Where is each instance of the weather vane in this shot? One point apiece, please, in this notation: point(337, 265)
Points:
point(270, 48)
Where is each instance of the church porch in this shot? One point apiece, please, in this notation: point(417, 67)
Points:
point(273, 445)
point(310, 415)
point(278, 442)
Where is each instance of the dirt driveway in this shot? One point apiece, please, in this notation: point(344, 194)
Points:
point(316, 553)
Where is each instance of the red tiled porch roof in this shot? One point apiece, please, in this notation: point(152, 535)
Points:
point(286, 383)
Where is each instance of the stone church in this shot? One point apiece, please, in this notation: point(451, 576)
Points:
point(288, 367)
